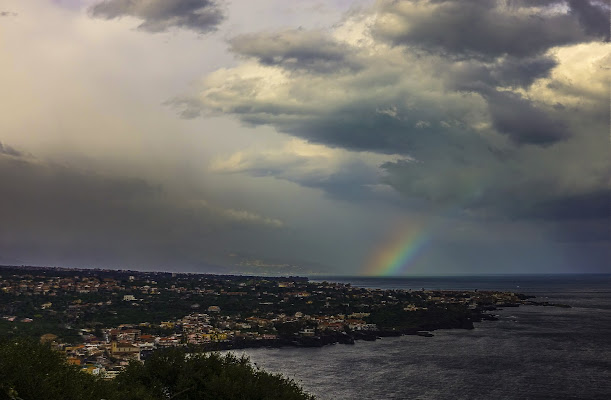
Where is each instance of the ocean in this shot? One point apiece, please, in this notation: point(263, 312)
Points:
point(531, 352)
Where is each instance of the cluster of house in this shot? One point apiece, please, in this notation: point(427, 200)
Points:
point(109, 354)
point(276, 303)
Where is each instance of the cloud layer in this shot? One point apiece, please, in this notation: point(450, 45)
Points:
point(492, 107)
point(297, 50)
point(201, 16)
point(339, 173)
point(471, 28)
point(307, 134)
point(54, 213)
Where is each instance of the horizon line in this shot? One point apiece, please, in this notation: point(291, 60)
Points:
point(319, 275)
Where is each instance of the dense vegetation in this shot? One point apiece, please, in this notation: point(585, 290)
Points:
point(33, 371)
point(434, 317)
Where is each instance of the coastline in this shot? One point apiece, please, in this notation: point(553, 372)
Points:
point(330, 338)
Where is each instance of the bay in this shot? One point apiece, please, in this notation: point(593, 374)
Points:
point(532, 352)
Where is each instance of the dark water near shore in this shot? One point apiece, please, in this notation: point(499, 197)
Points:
point(530, 353)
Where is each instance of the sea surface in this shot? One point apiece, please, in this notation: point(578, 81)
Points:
point(532, 352)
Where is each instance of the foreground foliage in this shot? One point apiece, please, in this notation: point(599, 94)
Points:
point(33, 371)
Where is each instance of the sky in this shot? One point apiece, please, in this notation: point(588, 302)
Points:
point(413, 137)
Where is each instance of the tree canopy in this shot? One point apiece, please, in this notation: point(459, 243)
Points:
point(33, 371)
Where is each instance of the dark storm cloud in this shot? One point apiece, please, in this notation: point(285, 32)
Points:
point(473, 75)
point(366, 119)
point(57, 213)
point(349, 126)
point(352, 127)
point(444, 183)
point(594, 17)
point(523, 121)
point(352, 180)
point(386, 109)
point(489, 29)
point(522, 72)
point(493, 191)
point(489, 185)
point(574, 217)
point(519, 118)
point(583, 206)
point(490, 121)
point(202, 16)
point(296, 50)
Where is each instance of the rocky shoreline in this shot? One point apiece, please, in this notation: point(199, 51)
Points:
point(329, 338)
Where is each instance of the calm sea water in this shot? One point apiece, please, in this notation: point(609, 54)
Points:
point(530, 353)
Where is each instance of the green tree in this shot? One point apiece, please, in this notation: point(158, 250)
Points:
point(30, 370)
point(33, 371)
point(172, 374)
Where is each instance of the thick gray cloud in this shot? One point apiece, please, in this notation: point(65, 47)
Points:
point(385, 107)
point(475, 75)
point(593, 205)
point(297, 49)
point(523, 121)
point(471, 28)
point(202, 16)
point(493, 143)
point(53, 213)
point(395, 101)
point(494, 123)
point(338, 173)
point(503, 191)
point(593, 16)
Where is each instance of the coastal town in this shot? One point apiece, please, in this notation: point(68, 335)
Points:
point(103, 319)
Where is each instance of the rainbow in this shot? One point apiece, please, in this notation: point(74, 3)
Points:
point(399, 252)
point(411, 237)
